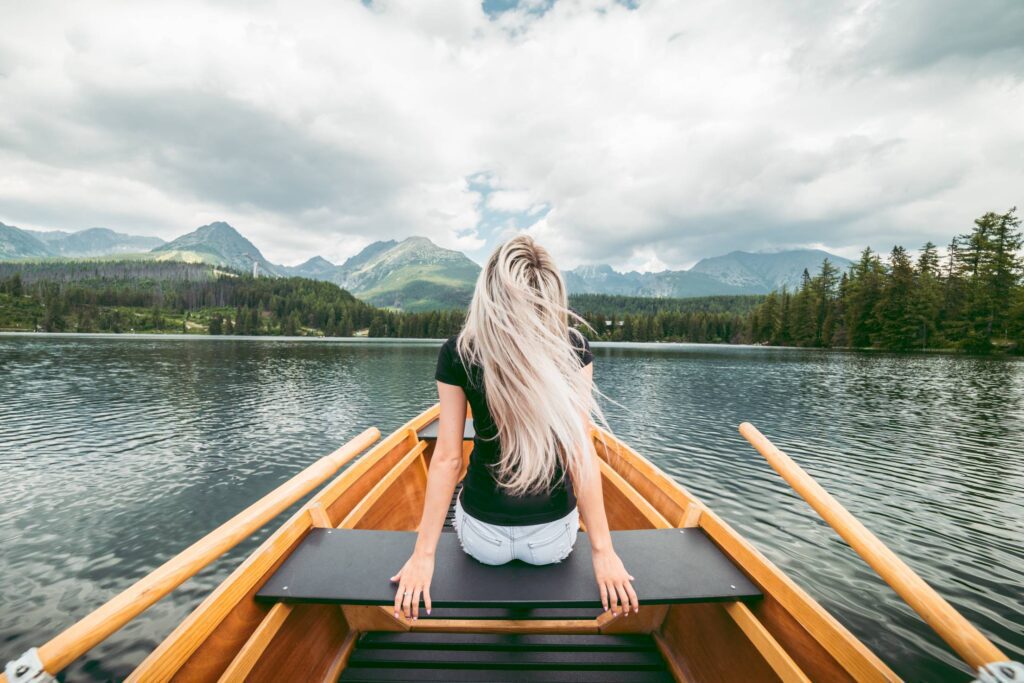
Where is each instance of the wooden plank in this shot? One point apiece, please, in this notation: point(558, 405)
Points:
point(506, 613)
point(675, 666)
point(345, 492)
point(811, 656)
point(666, 495)
point(705, 642)
point(246, 658)
point(506, 625)
point(347, 647)
point(377, 492)
point(625, 507)
point(307, 646)
point(647, 620)
point(372, 618)
point(758, 635)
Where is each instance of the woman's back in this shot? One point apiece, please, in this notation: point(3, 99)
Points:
point(534, 474)
point(482, 497)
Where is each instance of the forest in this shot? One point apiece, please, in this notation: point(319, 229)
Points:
point(192, 298)
point(969, 298)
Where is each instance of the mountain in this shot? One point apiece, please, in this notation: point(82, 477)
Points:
point(316, 268)
point(219, 244)
point(767, 271)
point(16, 243)
point(95, 242)
point(48, 236)
point(739, 272)
point(414, 275)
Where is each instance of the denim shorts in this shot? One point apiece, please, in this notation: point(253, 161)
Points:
point(545, 543)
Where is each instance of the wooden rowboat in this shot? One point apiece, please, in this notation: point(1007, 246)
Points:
point(269, 621)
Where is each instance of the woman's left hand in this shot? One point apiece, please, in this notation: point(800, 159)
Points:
point(614, 582)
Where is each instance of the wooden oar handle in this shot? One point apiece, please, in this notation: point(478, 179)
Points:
point(966, 640)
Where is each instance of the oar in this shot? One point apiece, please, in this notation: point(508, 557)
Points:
point(82, 636)
point(966, 640)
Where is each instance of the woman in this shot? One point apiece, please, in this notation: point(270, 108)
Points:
point(531, 417)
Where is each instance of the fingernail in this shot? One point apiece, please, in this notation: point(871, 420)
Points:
point(428, 611)
point(415, 618)
point(396, 615)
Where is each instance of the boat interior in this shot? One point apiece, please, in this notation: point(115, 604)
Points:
point(277, 617)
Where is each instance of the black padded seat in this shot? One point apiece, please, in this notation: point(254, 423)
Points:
point(429, 432)
point(353, 566)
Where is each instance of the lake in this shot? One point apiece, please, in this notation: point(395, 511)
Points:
point(117, 452)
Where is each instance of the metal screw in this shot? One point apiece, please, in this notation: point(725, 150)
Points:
point(285, 588)
point(21, 670)
point(731, 586)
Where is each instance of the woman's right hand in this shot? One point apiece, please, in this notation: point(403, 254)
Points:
point(413, 580)
point(614, 583)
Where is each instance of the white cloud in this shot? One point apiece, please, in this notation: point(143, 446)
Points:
point(643, 138)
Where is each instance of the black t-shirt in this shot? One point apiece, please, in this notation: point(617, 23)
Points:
point(481, 496)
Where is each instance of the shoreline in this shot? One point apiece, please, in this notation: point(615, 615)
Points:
point(173, 336)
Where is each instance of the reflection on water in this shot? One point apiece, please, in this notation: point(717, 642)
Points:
point(116, 453)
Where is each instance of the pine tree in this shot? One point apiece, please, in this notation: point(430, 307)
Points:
point(825, 287)
point(1002, 272)
point(866, 280)
point(897, 326)
point(926, 303)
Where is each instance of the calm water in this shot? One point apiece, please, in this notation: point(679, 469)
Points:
point(117, 452)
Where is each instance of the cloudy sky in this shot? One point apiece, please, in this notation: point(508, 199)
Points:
point(644, 134)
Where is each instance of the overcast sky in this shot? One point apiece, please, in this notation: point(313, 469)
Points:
point(643, 134)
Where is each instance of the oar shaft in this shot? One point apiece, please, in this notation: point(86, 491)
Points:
point(966, 640)
point(95, 627)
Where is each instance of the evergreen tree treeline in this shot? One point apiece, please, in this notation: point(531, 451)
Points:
point(971, 299)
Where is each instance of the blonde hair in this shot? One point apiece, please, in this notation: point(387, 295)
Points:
point(517, 330)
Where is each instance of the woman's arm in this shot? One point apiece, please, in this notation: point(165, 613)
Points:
point(442, 477)
point(612, 577)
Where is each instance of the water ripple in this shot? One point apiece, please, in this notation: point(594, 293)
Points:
point(118, 452)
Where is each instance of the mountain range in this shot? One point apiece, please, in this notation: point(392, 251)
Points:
point(92, 242)
point(415, 274)
point(738, 272)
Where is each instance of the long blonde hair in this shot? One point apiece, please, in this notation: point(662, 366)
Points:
point(517, 330)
